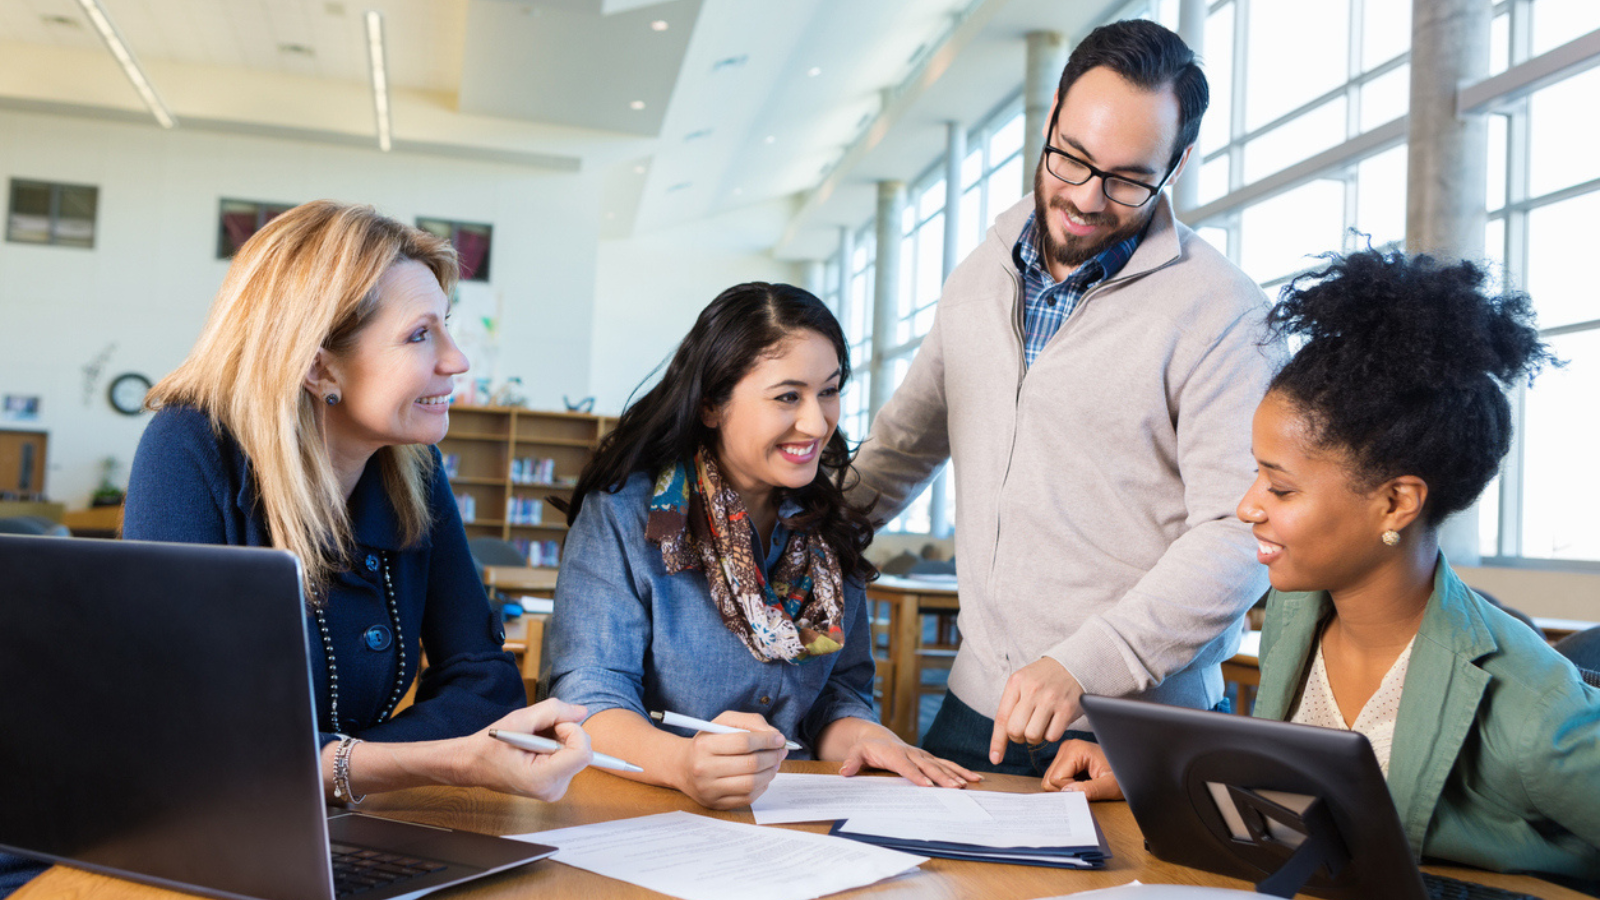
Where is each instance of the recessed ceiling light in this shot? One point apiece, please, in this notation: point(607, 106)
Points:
point(814, 71)
point(637, 104)
point(738, 191)
point(771, 138)
point(638, 170)
point(658, 25)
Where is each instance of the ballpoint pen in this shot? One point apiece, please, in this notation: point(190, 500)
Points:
point(537, 744)
point(693, 724)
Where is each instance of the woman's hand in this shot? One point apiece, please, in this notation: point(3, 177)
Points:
point(486, 762)
point(1087, 759)
point(863, 744)
point(728, 771)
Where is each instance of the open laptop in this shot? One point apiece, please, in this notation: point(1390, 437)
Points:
point(157, 723)
point(1289, 807)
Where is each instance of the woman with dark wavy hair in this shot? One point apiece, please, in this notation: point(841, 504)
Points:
point(1391, 418)
point(714, 569)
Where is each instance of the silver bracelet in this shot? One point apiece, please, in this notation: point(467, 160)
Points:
point(341, 772)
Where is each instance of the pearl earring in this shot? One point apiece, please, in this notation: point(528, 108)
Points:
point(1391, 538)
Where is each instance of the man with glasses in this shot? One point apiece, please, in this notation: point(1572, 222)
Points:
point(1091, 373)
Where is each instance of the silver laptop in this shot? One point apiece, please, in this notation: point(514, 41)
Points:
point(157, 723)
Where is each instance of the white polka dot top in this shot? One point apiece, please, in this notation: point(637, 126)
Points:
point(1376, 719)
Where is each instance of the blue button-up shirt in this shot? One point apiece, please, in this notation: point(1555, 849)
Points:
point(1046, 303)
point(626, 634)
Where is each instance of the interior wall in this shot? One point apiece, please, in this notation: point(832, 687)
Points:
point(1538, 592)
point(648, 291)
point(138, 298)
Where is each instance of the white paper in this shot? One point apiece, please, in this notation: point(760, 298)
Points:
point(700, 858)
point(822, 798)
point(1016, 820)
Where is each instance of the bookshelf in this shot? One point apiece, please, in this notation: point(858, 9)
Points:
point(503, 462)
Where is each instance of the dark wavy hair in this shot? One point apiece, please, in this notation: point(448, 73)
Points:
point(1150, 57)
point(744, 324)
point(1404, 369)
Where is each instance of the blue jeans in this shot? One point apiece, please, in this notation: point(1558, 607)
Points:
point(961, 734)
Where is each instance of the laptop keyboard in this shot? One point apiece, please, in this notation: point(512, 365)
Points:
point(1441, 888)
point(357, 869)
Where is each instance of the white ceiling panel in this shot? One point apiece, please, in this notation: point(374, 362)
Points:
point(571, 64)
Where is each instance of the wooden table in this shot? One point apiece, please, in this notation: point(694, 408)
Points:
point(598, 797)
point(909, 598)
point(521, 579)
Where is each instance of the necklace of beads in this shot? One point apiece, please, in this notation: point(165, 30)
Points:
point(400, 646)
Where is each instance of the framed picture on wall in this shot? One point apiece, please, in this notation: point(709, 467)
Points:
point(471, 240)
point(237, 220)
point(43, 212)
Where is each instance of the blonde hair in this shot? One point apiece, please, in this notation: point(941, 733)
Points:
point(306, 281)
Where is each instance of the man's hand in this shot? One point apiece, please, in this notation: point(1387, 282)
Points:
point(1085, 759)
point(1040, 701)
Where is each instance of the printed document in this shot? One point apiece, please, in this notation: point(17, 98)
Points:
point(700, 858)
point(823, 798)
point(1016, 820)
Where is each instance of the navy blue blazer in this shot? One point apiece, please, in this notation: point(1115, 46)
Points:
point(191, 484)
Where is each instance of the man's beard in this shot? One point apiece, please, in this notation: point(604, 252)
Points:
point(1076, 251)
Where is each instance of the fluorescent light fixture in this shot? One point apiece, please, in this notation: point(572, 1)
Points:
point(658, 25)
point(380, 78)
point(637, 104)
point(130, 66)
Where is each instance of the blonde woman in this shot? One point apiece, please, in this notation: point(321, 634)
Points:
point(301, 420)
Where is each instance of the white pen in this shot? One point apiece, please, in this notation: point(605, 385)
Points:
point(693, 724)
point(536, 744)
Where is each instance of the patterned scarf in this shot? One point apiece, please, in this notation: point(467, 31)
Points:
point(701, 523)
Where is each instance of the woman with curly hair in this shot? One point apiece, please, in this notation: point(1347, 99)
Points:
point(1391, 417)
point(715, 570)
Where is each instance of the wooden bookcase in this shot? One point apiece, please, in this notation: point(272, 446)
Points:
point(485, 441)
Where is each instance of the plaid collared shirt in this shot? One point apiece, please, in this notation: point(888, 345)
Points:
point(1046, 303)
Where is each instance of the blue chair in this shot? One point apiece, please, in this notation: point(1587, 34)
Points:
point(1583, 648)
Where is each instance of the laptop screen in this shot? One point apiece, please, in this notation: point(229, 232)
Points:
point(157, 718)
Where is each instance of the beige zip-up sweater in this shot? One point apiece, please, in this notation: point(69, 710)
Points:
point(1094, 491)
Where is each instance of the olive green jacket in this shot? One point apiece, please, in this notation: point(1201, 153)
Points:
point(1496, 755)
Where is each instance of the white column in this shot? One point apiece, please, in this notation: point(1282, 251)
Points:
point(1447, 159)
point(886, 287)
point(1047, 56)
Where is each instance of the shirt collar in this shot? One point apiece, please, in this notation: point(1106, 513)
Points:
point(1104, 265)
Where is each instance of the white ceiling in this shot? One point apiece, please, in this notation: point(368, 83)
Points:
point(746, 104)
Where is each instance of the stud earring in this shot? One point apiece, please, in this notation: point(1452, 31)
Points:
point(1391, 538)
point(333, 399)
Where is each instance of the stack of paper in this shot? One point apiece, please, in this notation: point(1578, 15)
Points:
point(1023, 829)
point(1026, 829)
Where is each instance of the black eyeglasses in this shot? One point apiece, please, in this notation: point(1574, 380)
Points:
point(1119, 190)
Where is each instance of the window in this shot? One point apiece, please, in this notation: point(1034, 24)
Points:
point(855, 416)
point(471, 241)
point(238, 220)
point(43, 212)
point(1542, 199)
point(1270, 210)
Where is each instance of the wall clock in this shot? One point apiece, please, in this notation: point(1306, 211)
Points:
point(127, 393)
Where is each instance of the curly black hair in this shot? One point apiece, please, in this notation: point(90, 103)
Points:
point(1404, 369)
